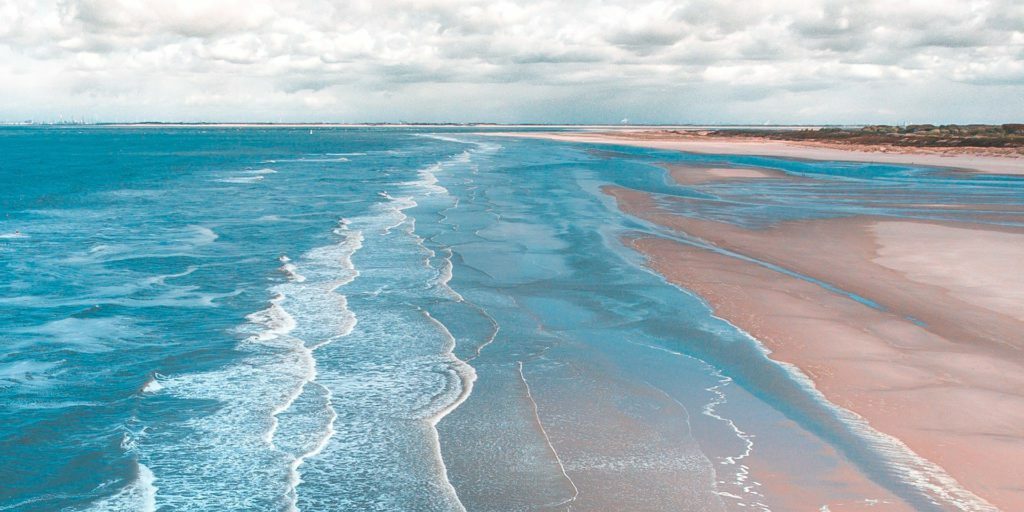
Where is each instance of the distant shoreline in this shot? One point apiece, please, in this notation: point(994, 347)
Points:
point(1008, 161)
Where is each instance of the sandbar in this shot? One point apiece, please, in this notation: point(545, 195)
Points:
point(697, 175)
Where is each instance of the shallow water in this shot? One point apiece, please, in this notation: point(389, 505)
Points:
point(379, 319)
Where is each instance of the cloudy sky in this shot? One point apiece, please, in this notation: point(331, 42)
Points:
point(686, 61)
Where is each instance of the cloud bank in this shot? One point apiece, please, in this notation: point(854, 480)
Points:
point(527, 61)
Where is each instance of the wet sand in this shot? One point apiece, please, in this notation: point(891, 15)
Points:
point(949, 384)
point(970, 159)
point(697, 175)
point(831, 489)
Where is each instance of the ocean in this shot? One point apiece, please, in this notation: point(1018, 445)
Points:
point(210, 318)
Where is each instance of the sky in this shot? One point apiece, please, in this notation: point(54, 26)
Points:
point(547, 61)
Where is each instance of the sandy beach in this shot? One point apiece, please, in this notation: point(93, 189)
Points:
point(940, 367)
point(985, 160)
point(917, 283)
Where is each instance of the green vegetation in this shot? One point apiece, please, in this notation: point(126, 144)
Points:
point(914, 135)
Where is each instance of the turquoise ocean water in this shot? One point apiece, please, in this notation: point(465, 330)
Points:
point(386, 319)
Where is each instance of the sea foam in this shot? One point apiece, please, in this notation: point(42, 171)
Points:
point(138, 495)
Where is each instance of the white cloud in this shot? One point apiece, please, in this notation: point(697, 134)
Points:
point(538, 60)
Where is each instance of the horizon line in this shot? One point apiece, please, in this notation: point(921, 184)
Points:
point(313, 124)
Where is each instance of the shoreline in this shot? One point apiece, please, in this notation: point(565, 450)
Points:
point(809, 371)
point(974, 160)
point(902, 367)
